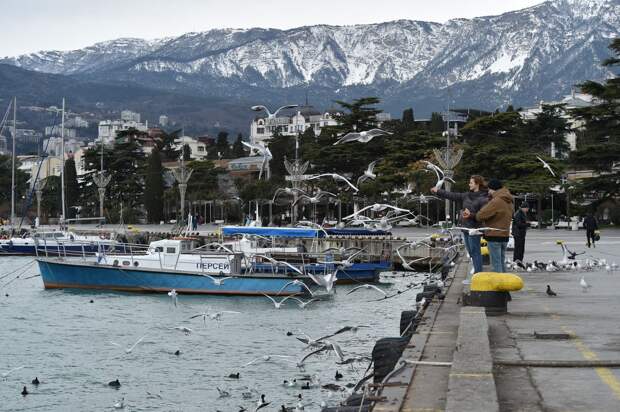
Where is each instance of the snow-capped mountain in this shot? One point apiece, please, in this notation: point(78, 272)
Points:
point(518, 57)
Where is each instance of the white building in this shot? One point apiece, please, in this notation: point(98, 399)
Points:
point(571, 101)
point(53, 145)
point(291, 122)
point(198, 148)
point(109, 128)
point(163, 120)
point(129, 116)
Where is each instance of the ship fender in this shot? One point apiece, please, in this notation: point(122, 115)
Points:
point(385, 354)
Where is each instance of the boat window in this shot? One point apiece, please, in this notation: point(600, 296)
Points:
point(57, 235)
point(126, 263)
point(159, 249)
point(171, 250)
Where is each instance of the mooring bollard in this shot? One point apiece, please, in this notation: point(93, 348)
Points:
point(491, 290)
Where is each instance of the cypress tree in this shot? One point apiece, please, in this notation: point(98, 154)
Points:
point(72, 188)
point(187, 153)
point(154, 188)
point(437, 123)
point(408, 119)
point(238, 150)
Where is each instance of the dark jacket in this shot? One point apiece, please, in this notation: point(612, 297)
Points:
point(474, 201)
point(497, 214)
point(519, 223)
point(589, 222)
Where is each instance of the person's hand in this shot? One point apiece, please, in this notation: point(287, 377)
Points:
point(466, 214)
point(434, 189)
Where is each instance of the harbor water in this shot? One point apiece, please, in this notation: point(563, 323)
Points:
point(75, 342)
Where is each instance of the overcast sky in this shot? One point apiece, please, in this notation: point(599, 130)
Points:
point(33, 25)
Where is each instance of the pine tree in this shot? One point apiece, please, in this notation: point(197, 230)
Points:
point(72, 188)
point(598, 144)
point(154, 188)
point(238, 148)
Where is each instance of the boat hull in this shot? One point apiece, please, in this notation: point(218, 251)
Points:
point(85, 275)
point(358, 272)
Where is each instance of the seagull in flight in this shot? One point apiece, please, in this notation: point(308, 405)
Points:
point(473, 231)
point(367, 286)
point(377, 207)
point(216, 316)
point(263, 151)
point(7, 373)
point(546, 166)
point(316, 198)
point(296, 282)
point(405, 191)
point(217, 281)
point(336, 177)
point(268, 358)
point(368, 173)
point(327, 280)
point(301, 303)
point(288, 191)
point(280, 263)
point(441, 176)
point(348, 262)
point(183, 329)
point(132, 347)
point(275, 302)
point(362, 137)
point(260, 107)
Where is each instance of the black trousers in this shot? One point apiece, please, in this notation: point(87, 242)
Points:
point(519, 247)
point(590, 236)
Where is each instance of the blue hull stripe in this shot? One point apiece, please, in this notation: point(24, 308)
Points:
point(88, 276)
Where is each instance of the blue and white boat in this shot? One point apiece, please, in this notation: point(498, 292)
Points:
point(165, 265)
point(56, 243)
point(305, 248)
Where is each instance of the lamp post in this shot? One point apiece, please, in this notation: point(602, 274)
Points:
point(182, 175)
point(38, 190)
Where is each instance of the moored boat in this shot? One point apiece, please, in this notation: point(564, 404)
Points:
point(166, 265)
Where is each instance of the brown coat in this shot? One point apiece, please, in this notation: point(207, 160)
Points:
point(497, 214)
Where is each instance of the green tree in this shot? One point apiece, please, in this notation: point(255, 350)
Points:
point(50, 201)
point(222, 147)
point(598, 143)
point(203, 183)
point(5, 181)
point(187, 153)
point(72, 188)
point(408, 120)
point(238, 149)
point(154, 188)
point(281, 147)
point(126, 166)
point(437, 123)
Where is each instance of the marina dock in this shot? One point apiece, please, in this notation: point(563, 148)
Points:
point(548, 353)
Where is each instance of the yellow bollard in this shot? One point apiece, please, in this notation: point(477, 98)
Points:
point(496, 282)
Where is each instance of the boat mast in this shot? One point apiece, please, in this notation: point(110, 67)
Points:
point(62, 163)
point(13, 162)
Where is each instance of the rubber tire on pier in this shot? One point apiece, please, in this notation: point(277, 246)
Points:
point(408, 317)
point(424, 295)
point(385, 354)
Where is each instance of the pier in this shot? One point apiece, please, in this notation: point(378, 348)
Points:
point(547, 353)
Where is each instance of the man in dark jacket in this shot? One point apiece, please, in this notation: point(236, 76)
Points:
point(590, 224)
point(520, 224)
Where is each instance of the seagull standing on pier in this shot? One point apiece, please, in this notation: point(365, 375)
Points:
point(584, 285)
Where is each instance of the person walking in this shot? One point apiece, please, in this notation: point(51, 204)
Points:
point(591, 225)
point(496, 214)
point(520, 223)
point(473, 201)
